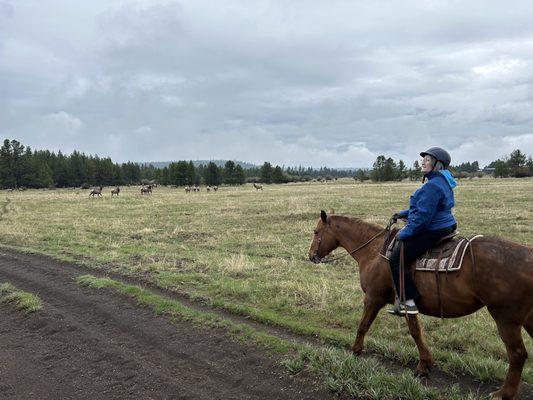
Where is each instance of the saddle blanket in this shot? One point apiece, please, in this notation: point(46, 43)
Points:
point(445, 256)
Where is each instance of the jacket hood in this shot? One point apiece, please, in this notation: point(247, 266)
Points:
point(449, 178)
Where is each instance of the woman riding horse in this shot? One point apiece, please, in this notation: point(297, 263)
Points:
point(429, 219)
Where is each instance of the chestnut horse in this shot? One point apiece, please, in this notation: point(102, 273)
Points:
point(498, 276)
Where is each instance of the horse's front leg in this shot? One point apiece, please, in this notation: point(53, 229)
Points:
point(426, 359)
point(371, 309)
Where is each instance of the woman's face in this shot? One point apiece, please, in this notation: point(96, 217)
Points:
point(427, 164)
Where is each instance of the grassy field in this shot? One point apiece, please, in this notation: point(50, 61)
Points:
point(246, 251)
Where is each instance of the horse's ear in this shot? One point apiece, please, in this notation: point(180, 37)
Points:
point(323, 216)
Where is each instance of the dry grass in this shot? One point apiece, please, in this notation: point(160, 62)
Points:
point(247, 251)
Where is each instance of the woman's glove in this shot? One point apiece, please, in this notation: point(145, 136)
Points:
point(397, 216)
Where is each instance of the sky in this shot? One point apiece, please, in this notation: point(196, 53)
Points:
point(312, 83)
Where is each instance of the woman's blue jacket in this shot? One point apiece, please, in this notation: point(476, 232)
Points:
point(430, 207)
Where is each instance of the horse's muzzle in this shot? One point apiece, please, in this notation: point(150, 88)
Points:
point(315, 258)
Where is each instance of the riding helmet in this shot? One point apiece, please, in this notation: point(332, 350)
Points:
point(440, 154)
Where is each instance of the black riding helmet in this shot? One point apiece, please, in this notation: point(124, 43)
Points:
point(440, 154)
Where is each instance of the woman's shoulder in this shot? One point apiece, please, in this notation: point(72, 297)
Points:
point(437, 183)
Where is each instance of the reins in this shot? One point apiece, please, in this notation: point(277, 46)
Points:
point(331, 259)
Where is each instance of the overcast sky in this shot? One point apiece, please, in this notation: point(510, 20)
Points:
point(309, 83)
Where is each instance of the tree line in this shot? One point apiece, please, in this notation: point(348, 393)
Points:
point(517, 165)
point(20, 166)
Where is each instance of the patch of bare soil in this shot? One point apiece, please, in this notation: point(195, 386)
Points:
point(98, 345)
point(88, 344)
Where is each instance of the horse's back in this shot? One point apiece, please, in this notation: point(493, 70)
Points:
point(505, 254)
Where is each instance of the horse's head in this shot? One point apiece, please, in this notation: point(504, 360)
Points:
point(324, 241)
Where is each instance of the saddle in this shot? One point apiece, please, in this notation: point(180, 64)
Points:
point(447, 255)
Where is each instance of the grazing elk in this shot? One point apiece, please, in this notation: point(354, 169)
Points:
point(146, 189)
point(187, 189)
point(208, 188)
point(215, 188)
point(96, 192)
point(115, 191)
point(258, 187)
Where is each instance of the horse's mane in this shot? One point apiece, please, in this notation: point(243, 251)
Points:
point(354, 221)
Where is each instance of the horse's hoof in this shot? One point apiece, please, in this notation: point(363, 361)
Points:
point(422, 370)
point(421, 374)
point(357, 353)
point(498, 395)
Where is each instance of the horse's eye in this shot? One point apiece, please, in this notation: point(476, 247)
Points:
point(316, 232)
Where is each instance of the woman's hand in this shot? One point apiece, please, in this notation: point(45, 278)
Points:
point(397, 216)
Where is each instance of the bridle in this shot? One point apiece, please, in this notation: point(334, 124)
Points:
point(392, 221)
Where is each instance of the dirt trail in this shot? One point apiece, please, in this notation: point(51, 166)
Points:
point(88, 344)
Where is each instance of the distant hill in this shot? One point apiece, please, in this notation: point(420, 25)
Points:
point(219, 163)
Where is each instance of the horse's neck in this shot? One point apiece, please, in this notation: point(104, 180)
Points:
point(352, 233)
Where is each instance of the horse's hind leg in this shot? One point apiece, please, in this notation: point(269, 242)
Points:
point(511, 334)
point(426, 359)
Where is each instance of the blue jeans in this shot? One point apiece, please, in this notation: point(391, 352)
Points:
point(413, 248)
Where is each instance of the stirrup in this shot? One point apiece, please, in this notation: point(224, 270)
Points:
point(411, 310)
point(398, 309)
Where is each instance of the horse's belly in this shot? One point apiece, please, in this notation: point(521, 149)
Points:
point(451, 298)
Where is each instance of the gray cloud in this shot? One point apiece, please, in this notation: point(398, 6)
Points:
point(292, 83)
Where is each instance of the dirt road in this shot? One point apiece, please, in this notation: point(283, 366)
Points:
point(88, 344)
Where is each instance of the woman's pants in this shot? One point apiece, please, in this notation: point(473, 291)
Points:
point(413, 248)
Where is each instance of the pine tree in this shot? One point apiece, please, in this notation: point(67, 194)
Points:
point(389, 170)
point(277, 175)
point(501, 169)
point(178, 173)
point(239, 175)
point(266, 173)
point(516, 163)
point(361, 175)
point(378, 172)
point(212, 174)
point(7, 177)
point(28, 176)
point(415, 174)
point(162, 176)
point(401, 171)
point(229, 172)
point(17, 152)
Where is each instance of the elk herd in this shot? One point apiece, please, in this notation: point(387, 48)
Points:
point(96, 191)
point(196, 188)
point(148, 189)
